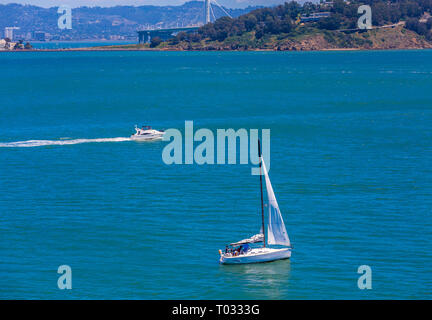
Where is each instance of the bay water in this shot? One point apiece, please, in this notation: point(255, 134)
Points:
point(351, 151)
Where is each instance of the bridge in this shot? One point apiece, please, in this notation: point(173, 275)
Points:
point(145, 35)
point(165, 33)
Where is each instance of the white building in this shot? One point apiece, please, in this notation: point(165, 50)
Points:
point(9, 32)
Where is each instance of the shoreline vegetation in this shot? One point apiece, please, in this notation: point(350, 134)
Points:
point(397, 24)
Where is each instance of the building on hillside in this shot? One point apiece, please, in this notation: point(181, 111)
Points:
point(326, 3)
point(425, 17)
point(314, 16)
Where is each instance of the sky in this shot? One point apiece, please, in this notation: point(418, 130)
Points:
point(109, 3)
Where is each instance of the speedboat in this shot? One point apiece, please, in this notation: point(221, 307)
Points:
point(276, 235)
point(146, 133)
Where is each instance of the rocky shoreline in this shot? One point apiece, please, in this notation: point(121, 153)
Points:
point(376, 39)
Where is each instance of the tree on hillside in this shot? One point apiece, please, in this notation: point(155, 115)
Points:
point(154, 42)
point(250, 22)
point(331, 23)
point(417, 26)
point(429, 24)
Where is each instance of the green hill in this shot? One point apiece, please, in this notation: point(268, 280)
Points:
point(396, 24)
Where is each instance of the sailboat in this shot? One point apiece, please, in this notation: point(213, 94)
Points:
point(241, 252)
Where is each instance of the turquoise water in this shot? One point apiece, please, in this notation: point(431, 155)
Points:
point(351, 144)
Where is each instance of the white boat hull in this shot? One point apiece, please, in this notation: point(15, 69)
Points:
point(147, 137)
point(257, 256)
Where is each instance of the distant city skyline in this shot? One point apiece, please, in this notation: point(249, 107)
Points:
point(112, 23)
point(110, 3)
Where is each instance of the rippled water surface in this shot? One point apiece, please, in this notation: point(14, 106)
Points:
point(351, 144)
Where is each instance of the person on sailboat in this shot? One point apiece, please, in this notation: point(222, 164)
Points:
point(245, 248)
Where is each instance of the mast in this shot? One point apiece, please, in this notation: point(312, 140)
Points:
point(261, 187)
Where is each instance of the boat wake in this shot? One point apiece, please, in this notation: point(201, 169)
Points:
point(40, 143)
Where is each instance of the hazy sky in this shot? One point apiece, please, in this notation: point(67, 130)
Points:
point(106, 3)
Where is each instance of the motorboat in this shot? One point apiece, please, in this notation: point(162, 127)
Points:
point(276, 244)
point(146, 133)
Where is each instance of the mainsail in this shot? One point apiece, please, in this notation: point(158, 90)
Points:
point(276, 230)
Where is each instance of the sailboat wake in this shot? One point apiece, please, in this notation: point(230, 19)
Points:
point(40, 143)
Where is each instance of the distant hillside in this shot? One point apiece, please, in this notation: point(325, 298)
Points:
point(396, 23)
point(104, 23)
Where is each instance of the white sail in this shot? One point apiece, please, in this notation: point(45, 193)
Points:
point(276, 231)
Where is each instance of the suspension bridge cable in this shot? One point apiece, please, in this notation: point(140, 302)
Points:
point(221, 8)
point(211, 10)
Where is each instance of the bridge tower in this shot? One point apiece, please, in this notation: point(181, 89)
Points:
point(207, 11)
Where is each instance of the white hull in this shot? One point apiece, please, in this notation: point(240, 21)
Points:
point(147, 137)
point(257, 255)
